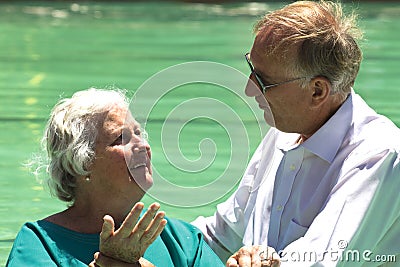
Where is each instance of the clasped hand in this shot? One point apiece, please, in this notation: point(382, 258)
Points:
point(254, 256)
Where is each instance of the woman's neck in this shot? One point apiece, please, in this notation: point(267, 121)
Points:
point(85, 218)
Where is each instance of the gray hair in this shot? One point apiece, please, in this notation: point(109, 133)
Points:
point(70, 137)
point(326, 39)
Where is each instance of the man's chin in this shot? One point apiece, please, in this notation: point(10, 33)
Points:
point(269, 118)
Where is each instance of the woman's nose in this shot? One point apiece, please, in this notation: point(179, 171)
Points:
point(148, 148)
point(146, 144)
point(141, 142)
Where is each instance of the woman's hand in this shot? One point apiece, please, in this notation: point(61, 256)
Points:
point(103, 261)
point(254, 256)
point(131, 240)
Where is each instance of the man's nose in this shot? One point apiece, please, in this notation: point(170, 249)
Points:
point(252, 88)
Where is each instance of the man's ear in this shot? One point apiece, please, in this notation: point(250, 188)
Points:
point(321, 88)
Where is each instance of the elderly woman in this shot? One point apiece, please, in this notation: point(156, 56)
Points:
point(100, 165)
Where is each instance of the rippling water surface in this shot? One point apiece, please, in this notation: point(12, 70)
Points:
point(50, 50)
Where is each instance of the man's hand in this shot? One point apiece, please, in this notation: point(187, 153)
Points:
point(254, 256)
point(131, 240)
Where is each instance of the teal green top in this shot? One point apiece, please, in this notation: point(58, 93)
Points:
point(43, 243)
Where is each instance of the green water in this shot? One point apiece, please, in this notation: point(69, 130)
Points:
point(48, 50)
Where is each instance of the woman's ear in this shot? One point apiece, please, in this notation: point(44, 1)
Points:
point(321, 88)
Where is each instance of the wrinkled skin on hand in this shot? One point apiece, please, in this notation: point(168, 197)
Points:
point(103, 261)
point(130, 241)
point(254, 256)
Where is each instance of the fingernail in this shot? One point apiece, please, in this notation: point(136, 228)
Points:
point(155, 206)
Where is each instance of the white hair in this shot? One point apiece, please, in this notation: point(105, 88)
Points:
point(70, 137)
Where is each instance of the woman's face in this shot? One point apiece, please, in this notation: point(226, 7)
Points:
point(122, 158)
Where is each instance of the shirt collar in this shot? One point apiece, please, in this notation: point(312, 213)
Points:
point(327, 140)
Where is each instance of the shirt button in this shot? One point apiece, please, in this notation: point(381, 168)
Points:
point(292, 167)
point(279, 207)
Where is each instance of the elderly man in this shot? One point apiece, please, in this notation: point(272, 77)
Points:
point(326, 176)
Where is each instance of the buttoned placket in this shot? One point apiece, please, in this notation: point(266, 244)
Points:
point(286, 175)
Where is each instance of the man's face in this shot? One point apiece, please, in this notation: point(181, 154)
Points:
point(285, 106)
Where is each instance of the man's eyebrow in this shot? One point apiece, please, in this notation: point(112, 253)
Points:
point(263, 75)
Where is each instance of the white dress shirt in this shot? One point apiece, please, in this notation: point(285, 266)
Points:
point(311, 201)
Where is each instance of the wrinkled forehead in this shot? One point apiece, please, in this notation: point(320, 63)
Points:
point(118, 117)
point(130, 121)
